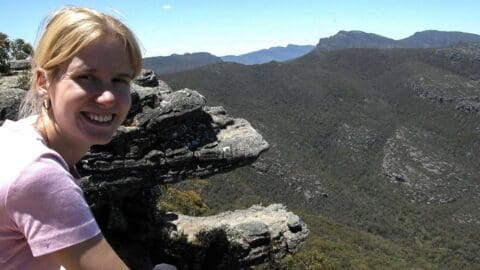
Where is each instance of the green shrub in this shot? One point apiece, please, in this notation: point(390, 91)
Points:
point(23, 81)
point(187, 202)
point(4, 50)
point(308, 260)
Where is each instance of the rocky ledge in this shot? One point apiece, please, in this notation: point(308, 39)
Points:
point(252, 235)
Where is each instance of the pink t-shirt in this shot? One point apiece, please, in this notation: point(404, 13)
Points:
point(42, 209)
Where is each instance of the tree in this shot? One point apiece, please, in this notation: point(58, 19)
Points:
point(20, 49)
point(4, 53)
point(17, 49)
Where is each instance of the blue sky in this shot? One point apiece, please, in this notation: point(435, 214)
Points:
point(239, 26)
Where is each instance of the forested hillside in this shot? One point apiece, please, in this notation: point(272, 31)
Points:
point(377, 147)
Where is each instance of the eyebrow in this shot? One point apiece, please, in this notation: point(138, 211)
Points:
point(130, 77)
point(93, 70)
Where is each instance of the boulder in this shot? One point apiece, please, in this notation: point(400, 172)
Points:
point(147, 78)
point(256, 234)
point(20, 64)
point(10, 100)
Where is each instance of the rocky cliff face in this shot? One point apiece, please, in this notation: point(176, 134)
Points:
point(170, 136)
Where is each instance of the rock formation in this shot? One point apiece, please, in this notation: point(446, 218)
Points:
point(9, 101)
point(167, 137)
point(261, 232)
point(428, 173)
point(19, 64)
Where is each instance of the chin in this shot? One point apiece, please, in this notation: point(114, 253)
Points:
point(99, 140)
point(104, 141)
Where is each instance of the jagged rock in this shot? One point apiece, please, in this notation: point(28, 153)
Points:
point(463, 58)
point(10, 99)
point(20, 64)
point(171, 138)
point(461, 91)
point(261, 233)
point(147, 78)
point(431, 90)
point(468, 106)
point(428, 173)
point(9, 82)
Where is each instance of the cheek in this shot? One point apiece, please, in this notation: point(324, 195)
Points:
point(68, 94)
point(124, 100)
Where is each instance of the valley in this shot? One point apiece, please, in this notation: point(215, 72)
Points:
point(382, 143)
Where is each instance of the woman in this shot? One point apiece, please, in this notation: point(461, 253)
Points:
point(80, 94)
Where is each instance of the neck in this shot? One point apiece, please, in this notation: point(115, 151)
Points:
point(70, 152)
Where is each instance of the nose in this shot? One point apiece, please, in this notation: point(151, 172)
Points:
point(106, 99)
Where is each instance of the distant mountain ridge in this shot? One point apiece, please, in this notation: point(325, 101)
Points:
point(354, 39)
point(176, 62)
point(279, 54)
point(423, 39)
point(342, 40)
point(435, 39)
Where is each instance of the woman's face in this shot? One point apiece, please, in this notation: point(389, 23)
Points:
point(91, 97)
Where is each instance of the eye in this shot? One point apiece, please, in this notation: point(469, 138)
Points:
point(86, 77)
point(122, 80)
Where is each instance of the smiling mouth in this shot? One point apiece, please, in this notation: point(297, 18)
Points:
point(99, 118)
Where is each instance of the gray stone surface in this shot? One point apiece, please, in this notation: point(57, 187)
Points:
point(261, 232)
point(19, 64)
point(429, 173)
point(170, 137)
point(10, 99)
point(147, 79)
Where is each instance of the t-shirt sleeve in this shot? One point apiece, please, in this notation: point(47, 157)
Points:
point(49, 208)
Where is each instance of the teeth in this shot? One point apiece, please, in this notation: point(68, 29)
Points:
point(100, 118)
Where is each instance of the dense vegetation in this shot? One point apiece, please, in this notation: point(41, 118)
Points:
point(16, 49)
point(332, 118)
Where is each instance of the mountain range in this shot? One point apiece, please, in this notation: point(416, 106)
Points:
point(342, 40)
point(279, 54)
point(424, 39)
point(177, 62)
point(378, 149)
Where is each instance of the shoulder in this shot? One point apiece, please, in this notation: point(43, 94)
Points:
point(45, 170)
point(29, 168)
point(24, 153)
point(44, 179)
point(48, 207)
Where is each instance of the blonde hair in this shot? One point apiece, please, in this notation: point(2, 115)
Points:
point(66, 32)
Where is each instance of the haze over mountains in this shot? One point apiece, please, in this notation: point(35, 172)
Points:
point(342, 40)
point(279, 54)
point(378, 145)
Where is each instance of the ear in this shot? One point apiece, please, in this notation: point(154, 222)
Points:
point(42, 83)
